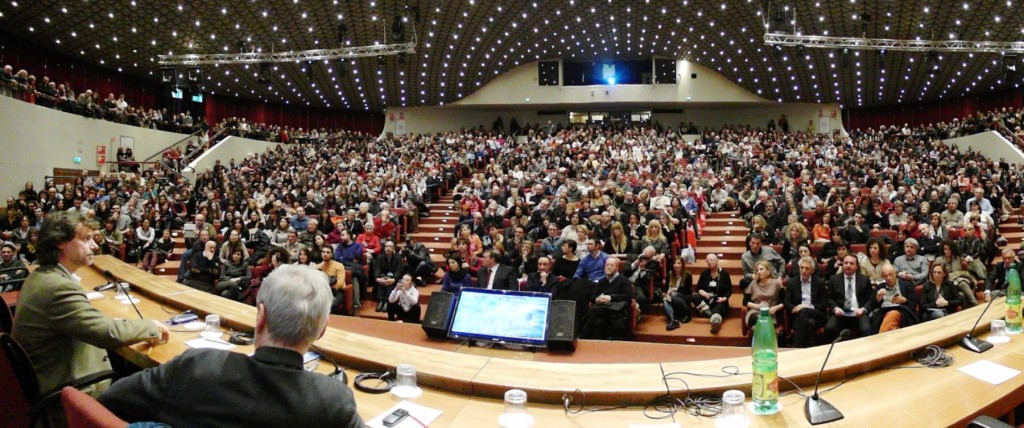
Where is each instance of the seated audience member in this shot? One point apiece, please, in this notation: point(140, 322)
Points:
point(268, 389)
point(911, 267)
point(566, 263)
point(12, 266)
point(835, 264)
point(417, 259)
point(335, 276)
point(872, 263)
point(404, 301)
point(205, 268)
point(939, 297)
point(456, 278)
point(494, 275)
point(112, 238)
point(806, 302)
point(544, 281)
point(350, 254)
point(551, 245)
point(997, 277)
point(758, 252)
point(679, 295)
point(714, 286)
point(158, 252)
point(610, 299)
point(850, 297)
point(387, 270)
point(591, 267)
point(234, 277)
point(372, 245)
point(763, 292)
point(895, 303)
point(959, 272)
point(234, 242)
point(64, 336)
point(27, 252)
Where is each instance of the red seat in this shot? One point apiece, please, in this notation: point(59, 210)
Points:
point(83, 411)
point(891, 234)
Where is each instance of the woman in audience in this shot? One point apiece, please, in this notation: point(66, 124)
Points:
point(655, 237)
point(304, 258)
point(404, 301)
point(822, 232)
point(898, 216)
point(234, 276)
point(679, 295)
point(872, 263)
point(234, 242)
point(279, 236)
point(524, 261)
point(145, 236)
point(158, 251)
point(565, 265)
point(27, 250)
point(619, 244)
point(939, 297)
point(456, 276)
point(796, 237)
point(764, 291)
point(960, 272)
point(635, 230)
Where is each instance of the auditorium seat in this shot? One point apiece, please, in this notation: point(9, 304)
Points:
point(83, 411)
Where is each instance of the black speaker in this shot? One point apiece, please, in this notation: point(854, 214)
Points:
point(561, 326)
point(547, 73)
point(439, 315)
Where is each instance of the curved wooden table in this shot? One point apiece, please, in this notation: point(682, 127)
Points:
point(487, 375)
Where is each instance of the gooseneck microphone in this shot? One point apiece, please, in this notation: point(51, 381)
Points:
point(816, 410)
point(110, 277)
point(110, 282)
point(971, 343)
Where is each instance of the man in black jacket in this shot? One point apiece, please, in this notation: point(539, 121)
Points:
point(268, 389)
point(610, 300)
point(805, 300)
point(850, 298)
point(495, 276)
point(997, 278)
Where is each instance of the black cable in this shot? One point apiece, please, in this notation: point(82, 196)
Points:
point(170, 312)
point(384, 382)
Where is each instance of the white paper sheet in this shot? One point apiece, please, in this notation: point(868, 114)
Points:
point(989, 372)
point(204, 343)
point(94, 295)
point(424, 414)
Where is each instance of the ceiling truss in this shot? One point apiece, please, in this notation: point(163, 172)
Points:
point(859, 43)
point(290, 56)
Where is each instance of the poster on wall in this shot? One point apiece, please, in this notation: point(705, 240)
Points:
point(824, 125)
point(400, 127)
point(101, 155)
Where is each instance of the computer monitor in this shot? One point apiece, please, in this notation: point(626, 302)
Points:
point(502, 316)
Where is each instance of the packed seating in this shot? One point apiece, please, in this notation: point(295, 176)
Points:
point(637, 192)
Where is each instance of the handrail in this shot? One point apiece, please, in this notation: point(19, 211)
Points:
point(189, 157)
point(161, 151)
point(1016, 139)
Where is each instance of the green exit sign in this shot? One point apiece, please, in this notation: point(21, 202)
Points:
point(77, 159)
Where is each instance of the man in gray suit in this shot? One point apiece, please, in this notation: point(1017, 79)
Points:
point(64, 335)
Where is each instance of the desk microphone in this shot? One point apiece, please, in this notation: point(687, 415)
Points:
point(110, 282)
point(816, 410)
point(110, 277)
point(971, 343)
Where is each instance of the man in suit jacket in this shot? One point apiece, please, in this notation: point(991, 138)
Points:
point(64, 335)
point(542, 280)
point(997, 278)
point(610, 300)
point(495, 276)
point(267, 389)
point(805, 300)
point(850, 298)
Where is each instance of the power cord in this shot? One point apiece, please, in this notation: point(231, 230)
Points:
point(382, 382)
point(933, 357)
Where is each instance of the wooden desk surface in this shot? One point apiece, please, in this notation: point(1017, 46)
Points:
point(468, 387)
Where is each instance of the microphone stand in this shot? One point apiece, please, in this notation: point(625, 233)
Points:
point(971, 343)
point(816, 410)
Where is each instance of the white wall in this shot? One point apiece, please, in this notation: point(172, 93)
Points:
point(35, 139)
point(709, 100)
point(990, 144)
point(236, 148)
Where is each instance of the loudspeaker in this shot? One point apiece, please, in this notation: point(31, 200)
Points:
point(439, 315)
point(547, 73)
point(561, 334)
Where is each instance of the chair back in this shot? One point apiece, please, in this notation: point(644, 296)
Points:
point(18, 384)
point(6, 317)
point(83, 411)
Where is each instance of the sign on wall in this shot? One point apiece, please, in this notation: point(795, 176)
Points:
point(101, 155)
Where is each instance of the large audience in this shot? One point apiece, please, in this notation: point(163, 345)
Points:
point(562, 201)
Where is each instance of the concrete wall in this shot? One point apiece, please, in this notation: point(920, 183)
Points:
point(230, 148)
point(990, 144)
point(520, 84)
point(34, 140)
point(709, 100)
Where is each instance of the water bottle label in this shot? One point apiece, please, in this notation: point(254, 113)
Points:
point(1012, 314)
point(765, 386)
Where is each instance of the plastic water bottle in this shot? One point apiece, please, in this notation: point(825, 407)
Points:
point(765, 385)
point(1013, 315)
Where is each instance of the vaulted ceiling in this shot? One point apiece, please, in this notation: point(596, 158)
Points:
point(464, 44)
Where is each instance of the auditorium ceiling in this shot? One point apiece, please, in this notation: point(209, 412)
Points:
point(462, 45)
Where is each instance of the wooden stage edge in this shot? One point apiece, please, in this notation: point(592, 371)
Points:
point(489, 373)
